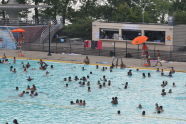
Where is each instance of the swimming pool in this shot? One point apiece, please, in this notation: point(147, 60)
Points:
point(52, 105)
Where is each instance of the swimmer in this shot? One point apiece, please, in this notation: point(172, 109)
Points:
point(84, 103)
point(66, 85)
point(109, 83)
point(88, 83)
point(51, 66)
point(80, 102)
point(163, 93)
point(32, 93)
point(173, 84)
point(29, 79)
point(76, 78)
point(77, 101)
point(65, 79)
point(11, 67)
point(143, 113)
point(14, 70)
point(72, 103)
point(17, 88)
point(21, 94)
point(137, 69)
point(149, 75)
point(143, 74)
point(97, 66)
point(118, 112)
point(25, 70)
point(83, 68)
point(100, 86)
point(28, 87)
point(33, 88)
point(69, 79)
point(139, 106)
point(28, 65)
point(170, 74)
point(47, 73)
point(158, 70)
point(15, 121)
point(170, 91)
point(89, 90)
point(130, 73)
point(36, 94)
point(104, 85)
point(90, 72)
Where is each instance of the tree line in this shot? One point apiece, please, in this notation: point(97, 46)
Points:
point(81, 13)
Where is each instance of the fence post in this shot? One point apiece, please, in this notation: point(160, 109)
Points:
point(154, 50)
point(114, 48)
point(170, 53)
point(70, 46)
point(126, 49)
point(56, 46)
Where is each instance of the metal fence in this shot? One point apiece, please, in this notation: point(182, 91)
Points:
point(168, 53)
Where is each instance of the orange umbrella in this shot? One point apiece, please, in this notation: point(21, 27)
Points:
point(139, 40)
point(18, 30)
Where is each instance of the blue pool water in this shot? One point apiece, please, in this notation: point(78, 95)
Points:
point(52, 105)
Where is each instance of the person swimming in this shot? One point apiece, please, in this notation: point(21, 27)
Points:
point(119, 112)
point(17, 88)
point(89, 90)
point(130, 73)
point(143, 113)
point(109, 83)
point(21, 94)
point(173, 84)
point(97, 66)
point(29, 79)
point(11, 67)
point(143, 75)
point(140, 106)
point(14, 70)
point(170, 91)
point(163, 93)
point(149, 75)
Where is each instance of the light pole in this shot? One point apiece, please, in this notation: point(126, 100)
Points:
point(49, 26)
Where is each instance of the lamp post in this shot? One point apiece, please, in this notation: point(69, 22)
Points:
point(49, 26)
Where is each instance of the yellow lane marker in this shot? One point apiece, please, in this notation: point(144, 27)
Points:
point(46, 105)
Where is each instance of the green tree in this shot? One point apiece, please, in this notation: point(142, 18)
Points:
point(60, 7)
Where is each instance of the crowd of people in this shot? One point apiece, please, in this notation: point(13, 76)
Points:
point(85, 81)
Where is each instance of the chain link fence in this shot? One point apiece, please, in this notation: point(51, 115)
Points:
point(125, 49)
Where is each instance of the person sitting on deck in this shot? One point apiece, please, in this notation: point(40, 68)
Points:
point(86, 60)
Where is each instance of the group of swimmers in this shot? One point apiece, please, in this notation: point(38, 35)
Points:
point(31, 91)
point(78, 102)
point(171, 72)
point(14, 122)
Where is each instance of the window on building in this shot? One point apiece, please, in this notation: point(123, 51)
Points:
point(106, 33)
point(129, 34)
point(155, 36)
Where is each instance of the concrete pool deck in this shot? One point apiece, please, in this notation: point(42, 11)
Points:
point(77, 58)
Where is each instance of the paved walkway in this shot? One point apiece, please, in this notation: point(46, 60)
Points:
point(179, 66)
